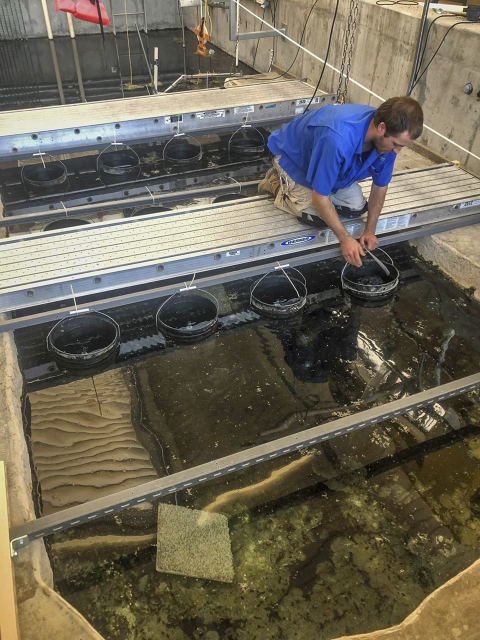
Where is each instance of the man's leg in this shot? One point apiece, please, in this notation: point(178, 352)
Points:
point(297, 200)
point(289, 196)
point(349, 202)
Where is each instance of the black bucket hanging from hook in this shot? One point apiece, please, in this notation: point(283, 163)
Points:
point(44, 177)
point(181, 150)
point(280, 293)
point(370, 282)
point(188, 316)
point(246, 141)
point(122, 164)
point(84, 342)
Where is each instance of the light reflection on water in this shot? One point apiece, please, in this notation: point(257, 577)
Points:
point(328, 542)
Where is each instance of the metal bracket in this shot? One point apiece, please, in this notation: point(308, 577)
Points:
point(234, 35)
point(17, 543)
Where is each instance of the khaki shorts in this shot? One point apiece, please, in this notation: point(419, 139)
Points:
point(296, 199)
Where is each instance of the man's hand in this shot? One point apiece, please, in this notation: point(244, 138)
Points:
point(368, 240)
point(352, 251)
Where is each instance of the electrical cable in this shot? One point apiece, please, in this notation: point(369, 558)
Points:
point(419, 64)
point(436, 51)
point(258, 42)
point(273, 11)
point(326, 57)
point(298, 50)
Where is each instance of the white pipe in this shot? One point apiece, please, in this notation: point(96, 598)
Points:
point(155, 68)
point(47, 19)
point(238, 31)
point(52, 51)
point(70, 25)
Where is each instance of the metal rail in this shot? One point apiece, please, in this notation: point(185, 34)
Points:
point(43, 268)
point(77, 127)
point(323, 253)
point(96, 509)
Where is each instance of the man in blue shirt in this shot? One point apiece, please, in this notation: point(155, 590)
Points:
point(320, 156)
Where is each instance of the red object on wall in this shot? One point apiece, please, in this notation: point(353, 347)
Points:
point(83, 10)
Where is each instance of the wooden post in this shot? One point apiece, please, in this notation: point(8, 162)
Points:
point(8, 604)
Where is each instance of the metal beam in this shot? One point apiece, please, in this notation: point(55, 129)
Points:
point(96, 509)
point(235, 35)
point(43, 268)
point(96, 125)
point(324, 253)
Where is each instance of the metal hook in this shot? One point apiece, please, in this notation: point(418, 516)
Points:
point(151, 194)
point(189, 286)
point(41, 154)
point(236, 182)
point(283, 267)
point(74, 299)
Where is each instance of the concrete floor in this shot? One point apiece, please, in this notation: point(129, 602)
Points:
point(450, 612)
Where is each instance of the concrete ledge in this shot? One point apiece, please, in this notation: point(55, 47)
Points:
point(456, 253)
point(450, 612)
point(43, 613)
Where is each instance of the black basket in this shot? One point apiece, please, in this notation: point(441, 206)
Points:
point(188, 316)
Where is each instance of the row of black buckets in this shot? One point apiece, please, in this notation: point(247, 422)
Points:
point(66, 223)
point(83, 341)
point(119, 162)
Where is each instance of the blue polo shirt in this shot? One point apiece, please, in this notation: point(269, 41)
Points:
point(322, 149)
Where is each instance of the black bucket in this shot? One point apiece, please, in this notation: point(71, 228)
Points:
point(227, 197)
point(48, 177)
point(65, 223)
point(279, 293)
point(188, 316)
point(246, 141)
point(370, 282)
point(84, 341)
point(118, 165)
point(145, 211)
point(182, 150)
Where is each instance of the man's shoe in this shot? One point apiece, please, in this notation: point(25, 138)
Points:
point(351, 214)
point(270, 184)
point(312, 220)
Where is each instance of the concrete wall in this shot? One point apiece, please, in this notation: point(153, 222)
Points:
point(161, 14)
point(383, 57)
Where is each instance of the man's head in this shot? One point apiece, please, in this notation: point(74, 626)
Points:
point(397, 123)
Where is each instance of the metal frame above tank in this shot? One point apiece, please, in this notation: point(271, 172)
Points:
point(81, 127)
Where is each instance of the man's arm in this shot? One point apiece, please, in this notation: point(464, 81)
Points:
point(351, 249)
point(368, 238)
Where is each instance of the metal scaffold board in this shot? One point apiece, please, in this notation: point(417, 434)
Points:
point(106, 506)
point(50, 266)
point(76, 127)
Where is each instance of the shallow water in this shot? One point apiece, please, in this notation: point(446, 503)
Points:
point(342, 538)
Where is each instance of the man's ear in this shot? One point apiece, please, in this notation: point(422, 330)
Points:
point(382, 128)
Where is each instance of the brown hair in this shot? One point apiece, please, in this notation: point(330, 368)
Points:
point(399, 115)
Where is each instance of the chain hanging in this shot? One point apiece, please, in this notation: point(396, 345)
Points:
point(347, 52)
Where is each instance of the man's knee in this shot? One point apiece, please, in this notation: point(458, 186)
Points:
point(349, 202)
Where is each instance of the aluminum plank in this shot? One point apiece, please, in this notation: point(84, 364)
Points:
point(96, 125)
point(106, 256)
